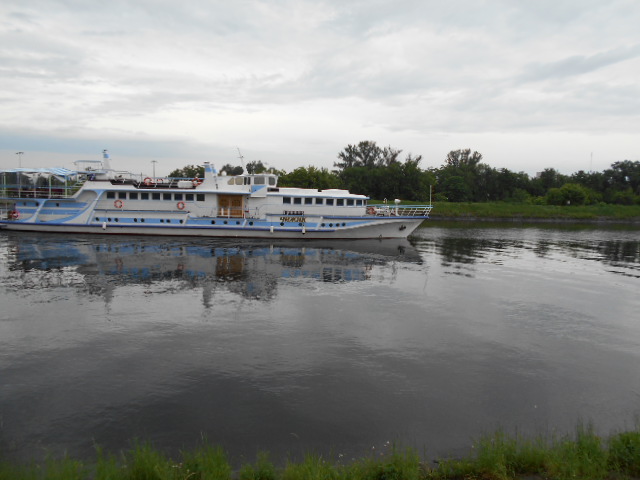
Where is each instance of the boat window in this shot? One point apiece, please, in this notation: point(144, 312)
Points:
point(178, 196)
point(239, 180)
point(286, 200)
point(247, 181)
point(200, 197)
point(166, 196)
point(133, 195)
point(155, 196)
point(359, 203)
point(329, 201)
point(350, 202)
point(122, 195)
point(318, 201)
point(258, 181)
point(111, 194)
point(230, 181)
point(340, 202)
point(189, 197)
point(297, 201)
point(272, 180)
point(144, 196)
point(308, 201)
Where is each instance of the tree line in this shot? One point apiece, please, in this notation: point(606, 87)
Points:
point(381, 173)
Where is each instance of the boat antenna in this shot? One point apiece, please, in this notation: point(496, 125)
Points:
point(241, 159)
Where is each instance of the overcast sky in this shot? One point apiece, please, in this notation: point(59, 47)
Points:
point(530, 84)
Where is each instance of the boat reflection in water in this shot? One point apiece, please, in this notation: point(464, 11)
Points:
point(252, 269)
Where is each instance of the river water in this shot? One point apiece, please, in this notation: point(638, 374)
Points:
point(336, 348)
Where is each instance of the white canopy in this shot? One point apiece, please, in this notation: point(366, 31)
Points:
point(59, 172)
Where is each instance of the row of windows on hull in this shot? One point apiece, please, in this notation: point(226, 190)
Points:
point(338, 202)
point(199, 197)
point(189, 197)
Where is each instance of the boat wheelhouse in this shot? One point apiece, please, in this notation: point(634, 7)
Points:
point(93, 198)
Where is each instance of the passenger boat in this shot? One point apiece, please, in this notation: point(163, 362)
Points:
point(93, 198)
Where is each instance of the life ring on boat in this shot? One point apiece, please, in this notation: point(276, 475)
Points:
point(14, 214)
point(148, 181)
point(118, 203)
point(180, 205)
point(371, 211)
point(196, 181)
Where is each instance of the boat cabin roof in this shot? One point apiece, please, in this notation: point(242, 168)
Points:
point(252, 179)
point(60, 172)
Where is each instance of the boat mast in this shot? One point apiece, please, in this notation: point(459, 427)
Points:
point(241, 160)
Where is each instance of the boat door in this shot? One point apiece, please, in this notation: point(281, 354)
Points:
point(230, 206)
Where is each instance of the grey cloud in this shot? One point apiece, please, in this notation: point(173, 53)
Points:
point(412, 65)
point(579, 64)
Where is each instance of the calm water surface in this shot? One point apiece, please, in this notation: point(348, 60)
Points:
point(337, 348)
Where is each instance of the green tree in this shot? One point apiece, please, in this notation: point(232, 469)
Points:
point(310, 177)
point(456, 189)
point(545, 180)
point(366, 154)
point(625, 197)
point(415, 183)
point(595, 181)
point(190, 171)
point(624, 175)
point(231, 170)
point(255, 167)
point(380, 173)
point(463, 159)
point(458, 177)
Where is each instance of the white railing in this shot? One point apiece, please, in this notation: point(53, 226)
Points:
point(386, 210)
point(31, 191)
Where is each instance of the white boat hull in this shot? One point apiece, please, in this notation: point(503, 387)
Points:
point(383, 228)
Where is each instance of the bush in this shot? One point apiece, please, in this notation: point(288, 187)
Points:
point(624, 198)
point(583, 457)
point(263, 469)
point(624, 453)
point(568, 194)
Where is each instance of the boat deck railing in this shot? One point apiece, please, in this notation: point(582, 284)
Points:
point(30, 191)
point(386, 210)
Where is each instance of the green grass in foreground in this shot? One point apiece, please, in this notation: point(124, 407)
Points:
point(510, 211)
point(498, 456)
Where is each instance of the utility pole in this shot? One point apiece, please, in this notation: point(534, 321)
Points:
point(154, 169)
point(20, 158)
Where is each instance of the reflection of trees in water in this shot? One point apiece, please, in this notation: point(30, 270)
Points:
point(620, 251)
point(542, 248)
point(612, 252)
point(462, 249)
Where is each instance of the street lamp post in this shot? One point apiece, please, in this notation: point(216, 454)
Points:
point(154, 169)
point(20, 158)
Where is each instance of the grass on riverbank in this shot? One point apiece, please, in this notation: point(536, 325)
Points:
point(526, 211)
point(517, 211)
point(496, 457)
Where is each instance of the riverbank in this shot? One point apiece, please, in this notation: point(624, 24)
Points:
point(517, 212)
point(496, 457)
